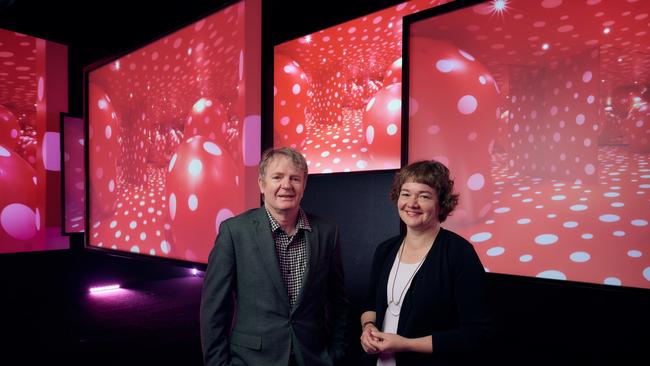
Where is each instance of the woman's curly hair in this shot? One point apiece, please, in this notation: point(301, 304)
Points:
point(435, 175)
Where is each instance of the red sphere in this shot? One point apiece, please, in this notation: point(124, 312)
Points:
point(19, 218)
point(382, 127)
point(105, 153)
point(453, 119)
point(9, 128)
point(203, 187)
point(291, 97)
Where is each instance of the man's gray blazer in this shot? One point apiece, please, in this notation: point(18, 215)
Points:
point(243, 275)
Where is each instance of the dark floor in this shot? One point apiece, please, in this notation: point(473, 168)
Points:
point(48, 316)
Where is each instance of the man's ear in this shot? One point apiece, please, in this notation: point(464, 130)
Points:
point(260, 183)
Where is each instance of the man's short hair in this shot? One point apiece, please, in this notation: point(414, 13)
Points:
point(296, 158)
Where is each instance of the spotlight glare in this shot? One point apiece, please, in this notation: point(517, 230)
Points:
point(499, 5)
point(606, 30)
point(102, 289)
point(545, 46)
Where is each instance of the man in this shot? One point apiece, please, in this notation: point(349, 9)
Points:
point(279, 270)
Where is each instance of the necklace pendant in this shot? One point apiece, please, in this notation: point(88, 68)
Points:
point(394, 308)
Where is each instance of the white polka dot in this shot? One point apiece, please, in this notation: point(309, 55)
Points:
point(4, 152)
point(646, 273)
point(578, 207)
point(195, 167)
point(433, 129)
point(546, 239)
point(480, 237)
point(135, 249)
point(613, 281)
point(570, 224)
point(639, 222)
point(370, 134)
point(391, 129)
point(609, 218)
point(300, 128)
point(172, 162)
point(587, 236)
point(172, 206)
point(558, 197)
point(526, 258)
point(552, 274)
point(108, 132)
point(118, 234)
point(502, 210)
point(113, 224)
point(580, 119)
point(211, 148)
point(611, 194)
point(523, 221)
point(325, 154)
point(590, 169)
point(586, 77)
point(362, 164)
point(475, 182)
point(580, 257)
point(466, 55)
point(165, 247)
point(295, 89)
point(445, 65)
point(192, 202)
point(133, 224)
point(619, 233)
point(467, 104)
point(19, 221)
point(111, 185)
point(143, 236)
point(496, 251)
point(634, 253)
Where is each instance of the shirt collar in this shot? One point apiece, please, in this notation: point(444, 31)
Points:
point(303, 222)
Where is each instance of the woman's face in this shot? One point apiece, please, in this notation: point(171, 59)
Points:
point(418, 206)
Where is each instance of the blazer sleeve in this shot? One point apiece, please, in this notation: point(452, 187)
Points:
point(339, 304)
point(469, 295)
point(217, 300)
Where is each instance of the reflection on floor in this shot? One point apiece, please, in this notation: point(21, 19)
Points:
point(570, 230)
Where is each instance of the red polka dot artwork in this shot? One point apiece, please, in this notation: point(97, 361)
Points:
point(31, 69)
point(74, 175)
point(174, 142)
point(337, 94)
point(540, 111)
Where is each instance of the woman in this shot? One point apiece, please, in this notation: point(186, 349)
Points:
point(425, 304)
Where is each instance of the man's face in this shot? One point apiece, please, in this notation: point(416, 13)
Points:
point(283, 185)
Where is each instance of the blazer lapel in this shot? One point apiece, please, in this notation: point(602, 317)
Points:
point(269, 257)
point(313, 249)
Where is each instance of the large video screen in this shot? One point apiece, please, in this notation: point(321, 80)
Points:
point(337, 94)
point(174, 138)
point(74, 174)
point(540, 111)
point(33, 91)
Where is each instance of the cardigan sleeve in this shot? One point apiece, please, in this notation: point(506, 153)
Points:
point(469, 295)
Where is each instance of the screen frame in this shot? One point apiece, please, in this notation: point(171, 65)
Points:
point(86, 80)
point(406, 32)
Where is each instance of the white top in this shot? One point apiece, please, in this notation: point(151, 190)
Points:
point(391, 320)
